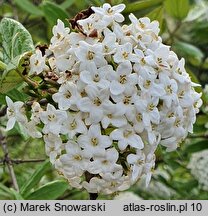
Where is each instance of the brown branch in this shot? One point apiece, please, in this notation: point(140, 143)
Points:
point(20, 161)
point(8, 162)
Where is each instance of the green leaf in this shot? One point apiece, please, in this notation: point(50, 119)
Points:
point(11, 77)
point(16, 40)
point(5, 189)
point(15, 95)
point(35, 178)
point(49, 191)
point(141, 5)
point(66, 4)
point(157, 14)
point(52, 12)
point(16, 195)
point(29, 7)
point(192, 53)
point(177, 8)
point(199, 146)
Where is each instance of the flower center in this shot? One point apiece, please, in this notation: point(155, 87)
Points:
point(159, 60)
point(123, 79)
point(96, 78)
point(97, 101)
point(177, 122)
point(127, 100)
point(94, 141)
point(151, 107)
point(143, 62)
point(139, 117)
point(147, 83)
point(110, 11)
point(73, 125)
point(51, 117)
point(181, 94)
point(77, 157)
point(90, 55)
point(125, 55)
point(67, 94)
point(105, 162)
point(169, 90)
point(141, 24)
point(127, 133)
point(36, 63)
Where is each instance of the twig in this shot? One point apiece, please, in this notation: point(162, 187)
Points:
point(20, 161)
point(8, 162)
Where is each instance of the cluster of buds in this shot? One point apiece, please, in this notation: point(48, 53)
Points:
point(121, 92)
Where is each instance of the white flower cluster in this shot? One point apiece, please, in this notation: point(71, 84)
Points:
point(198, 166)
point(122, 92)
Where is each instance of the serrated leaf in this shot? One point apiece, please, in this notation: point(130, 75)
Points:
point(177, 8)
point(52, 12)
point(141, 5)
point(16, 40)
point(29, 7)
point(35, 178)
point(49, 191)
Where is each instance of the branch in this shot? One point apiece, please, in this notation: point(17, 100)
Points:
point(9, 162)
point(20, 161)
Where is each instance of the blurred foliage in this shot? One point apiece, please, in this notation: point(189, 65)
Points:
point(183, 26)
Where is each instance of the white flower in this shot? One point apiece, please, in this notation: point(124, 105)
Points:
point(37, 63)
point(124, 53)
point(52, 119)
point(95, 103)
point(148, 108)
point(87, 53)
point(109, 43)
point(53, 146)
point(67, 96)
point(97, 77)
point(105, 162)
point(31, 130)
point(73, 125)
point(36, 110)
point(138, 161)
point(93, 141)
point(59, 32)
point(147, 82)
point(122, 79)
point(15, 112)
point(95, 185)
point(127, 136)
point(76, 158)
point(113, 115)
point(110, 14)
point(171, 87)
